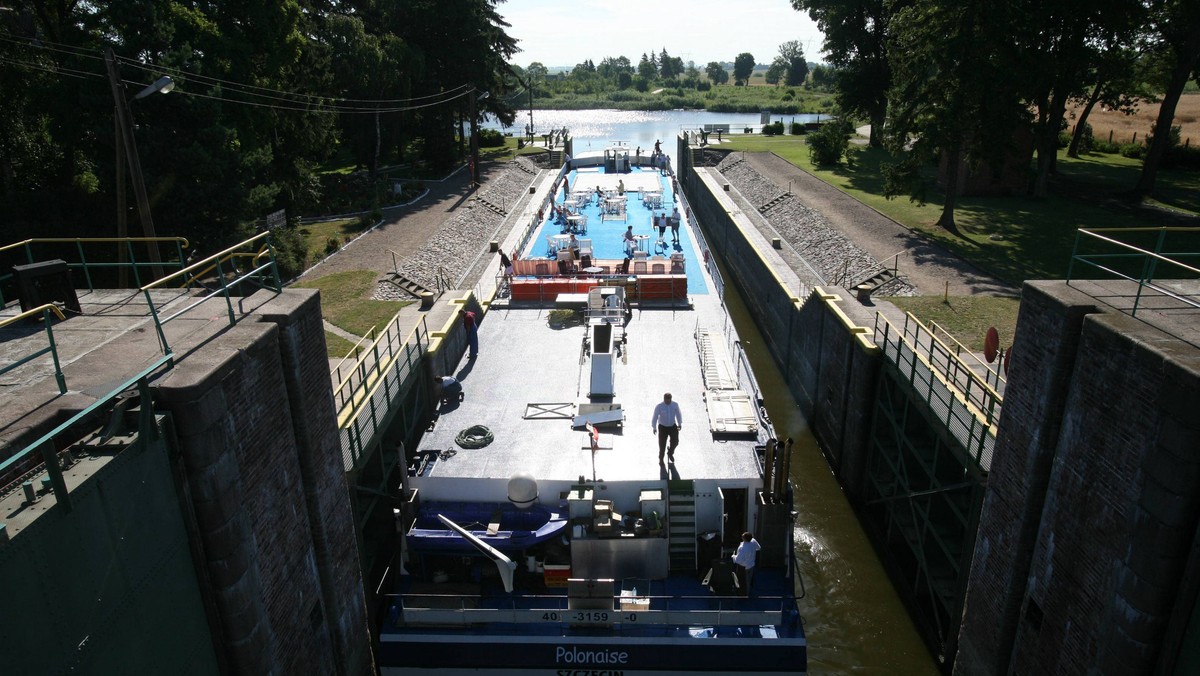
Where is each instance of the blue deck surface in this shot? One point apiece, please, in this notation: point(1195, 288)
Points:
point(608, 236)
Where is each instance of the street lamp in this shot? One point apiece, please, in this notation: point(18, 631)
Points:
point(162, 85)
point(128, 147)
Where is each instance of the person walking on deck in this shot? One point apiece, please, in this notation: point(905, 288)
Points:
point(667, 421)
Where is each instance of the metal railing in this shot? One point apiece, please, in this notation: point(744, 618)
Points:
point(365, 397)
point(46, 444)
point(992, 376)
point(45, 311)
point(86, 265)
point(225, 266)
point(459, 610)
point(1137, 264)
point(962, 401)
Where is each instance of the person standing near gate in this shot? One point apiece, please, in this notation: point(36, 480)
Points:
point(472, 330)
point(745, 558)
point(667, 421)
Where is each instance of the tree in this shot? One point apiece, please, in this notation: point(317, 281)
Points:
point(716, 74)
point(1122, 78)
point(824, 76)
point(1177, 23)
point(791, 55)
point(955, 93)
point(857, 34)
point(775, 71)
point(646, 69)
point(666, 66)
point(1059, 42)
point(743, 66)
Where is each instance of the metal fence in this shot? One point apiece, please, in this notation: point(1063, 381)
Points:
point(33, 250)
point(962, 400)
point(366, 396)
point(1100, 250)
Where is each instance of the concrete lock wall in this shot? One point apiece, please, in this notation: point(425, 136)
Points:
point(1086, 560)
point(820, 342)
point(110, 586)
point(256, 429)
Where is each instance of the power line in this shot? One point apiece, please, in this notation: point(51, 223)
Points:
point(247, 89)
point(172, 69)
point(54, 70)
point(316, 108)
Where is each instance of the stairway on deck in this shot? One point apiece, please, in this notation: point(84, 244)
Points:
point(681, 525)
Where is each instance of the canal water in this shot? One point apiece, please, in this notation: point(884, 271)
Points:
point(594, 129)
point(853, 618)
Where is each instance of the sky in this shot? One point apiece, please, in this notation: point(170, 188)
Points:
point(566, 32)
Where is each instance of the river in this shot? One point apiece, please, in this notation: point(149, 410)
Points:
point(594, 129)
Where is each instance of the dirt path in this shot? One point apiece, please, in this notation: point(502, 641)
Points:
point(927, 265)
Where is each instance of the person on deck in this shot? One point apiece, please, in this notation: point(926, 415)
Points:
point(667, 421)
point(469, 325)
point(447, 389)
point(745, 558)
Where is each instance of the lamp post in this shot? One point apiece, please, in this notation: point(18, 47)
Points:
point(127, 147)
point(475, 137)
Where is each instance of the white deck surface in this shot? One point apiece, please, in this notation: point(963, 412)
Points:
point(523, 361)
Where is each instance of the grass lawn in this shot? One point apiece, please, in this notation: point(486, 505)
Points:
point(508, 151)
point(1015, 238)
point(336, 346)
point(967, 318)
point(346, 302)
point(317, 235)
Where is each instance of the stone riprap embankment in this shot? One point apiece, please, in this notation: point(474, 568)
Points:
point(827, 250)
point(455, 248)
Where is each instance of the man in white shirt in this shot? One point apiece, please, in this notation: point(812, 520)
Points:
point(667, 421)
point(745, 558)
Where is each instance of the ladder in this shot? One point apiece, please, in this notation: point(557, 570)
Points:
point(681, 525)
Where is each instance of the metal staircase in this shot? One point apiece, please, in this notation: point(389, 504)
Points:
point(681, 525)
point(406, 285)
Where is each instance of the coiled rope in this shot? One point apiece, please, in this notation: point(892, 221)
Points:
point(475, 436)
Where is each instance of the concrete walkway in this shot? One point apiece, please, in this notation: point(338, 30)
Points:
point(929, 267)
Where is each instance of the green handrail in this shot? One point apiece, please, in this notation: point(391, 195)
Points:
point(86, 266)
point(45, 442)
point(227, 286)
point(45, 311)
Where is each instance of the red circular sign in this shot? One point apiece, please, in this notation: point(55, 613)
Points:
point(991, 343)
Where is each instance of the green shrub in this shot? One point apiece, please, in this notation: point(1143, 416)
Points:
point(490, 138)
point(703, 86)
point(1135, 151)
point(332, 245)
point(773, 129)
point(797, 129)
point(1105, 147)
point(828, 144)
point(1182, 157)
point(1064, 139)
point(290, 254)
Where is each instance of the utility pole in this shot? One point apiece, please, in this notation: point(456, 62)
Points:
point(129, 146)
